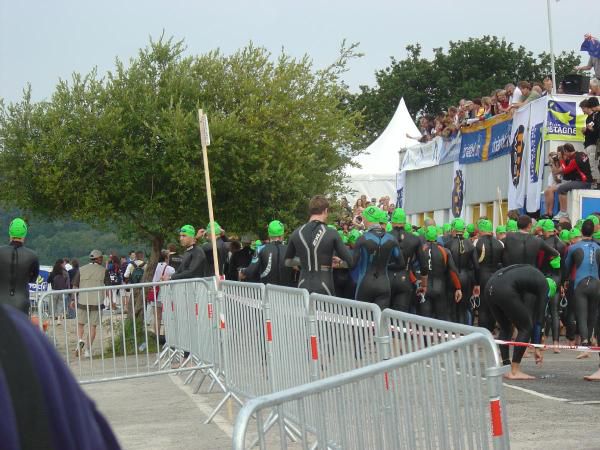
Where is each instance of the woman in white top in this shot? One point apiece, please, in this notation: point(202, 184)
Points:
point(162, 268)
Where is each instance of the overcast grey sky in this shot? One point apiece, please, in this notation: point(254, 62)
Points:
point(44, 40)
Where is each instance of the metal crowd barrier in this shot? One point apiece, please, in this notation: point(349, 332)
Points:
point(124, 345)
point(422, 399)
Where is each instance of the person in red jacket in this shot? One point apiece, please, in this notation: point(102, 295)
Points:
point(576, 174)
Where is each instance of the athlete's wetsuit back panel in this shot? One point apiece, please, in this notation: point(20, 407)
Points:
point(19, 267)
point(269, 265)
point(523, 248)
point(314, 244)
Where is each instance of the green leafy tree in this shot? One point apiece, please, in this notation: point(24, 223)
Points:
point(124, 148)
point(468, 69)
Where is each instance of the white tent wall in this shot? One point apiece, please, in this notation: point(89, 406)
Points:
point(376, 176)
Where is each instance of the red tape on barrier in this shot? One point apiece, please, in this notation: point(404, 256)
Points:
point(387, 381)
point(210, 310)
point(314, 350)
point(196, 310)
point(496, 417)
point(269, 331)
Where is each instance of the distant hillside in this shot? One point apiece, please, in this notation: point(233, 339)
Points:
point(55, 240)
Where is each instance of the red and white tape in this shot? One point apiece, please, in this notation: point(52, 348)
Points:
point(578, 348)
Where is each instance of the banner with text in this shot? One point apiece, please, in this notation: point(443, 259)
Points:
point(486, 140)
point(422, 156)
point(565, 120)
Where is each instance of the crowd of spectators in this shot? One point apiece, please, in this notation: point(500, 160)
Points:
point(500, 101)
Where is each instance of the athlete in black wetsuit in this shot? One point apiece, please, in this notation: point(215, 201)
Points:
point(465, 258)
point(401, 279)
point(523, 248)
point(19, 267)
point(517, 296)
point(374, 252)
point(440, 268)
point(312, 246)
point(489, 257)
point(545, 265)
point(269, 265)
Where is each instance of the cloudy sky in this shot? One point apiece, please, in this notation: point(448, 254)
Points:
point(44, 40)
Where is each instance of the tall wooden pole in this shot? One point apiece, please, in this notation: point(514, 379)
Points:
point(205, 141)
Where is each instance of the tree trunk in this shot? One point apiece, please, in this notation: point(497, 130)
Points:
point(157, 246)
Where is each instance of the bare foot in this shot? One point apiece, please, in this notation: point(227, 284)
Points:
point(583, 355)
point(593, 377)
point(527, 353)
point(518, 375)
point(556, 350)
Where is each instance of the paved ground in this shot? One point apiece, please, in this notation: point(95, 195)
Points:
point(557, 411)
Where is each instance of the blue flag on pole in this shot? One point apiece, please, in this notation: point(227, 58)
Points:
point(592, 46)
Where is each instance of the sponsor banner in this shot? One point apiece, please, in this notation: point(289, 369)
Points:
point(450, 150)
point(518, 155)
point(565, 119)
point(422, 156)
point(535, 158)
point(486, 140)
point(458, 190)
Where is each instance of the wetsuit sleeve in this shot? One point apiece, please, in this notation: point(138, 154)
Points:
point(398, 261)
point(34, 271)
point(453, 272)
point(540, 311)
point(475, 262)
point(290, 253)
point(342, 251)
point(252, 270)
point(423, 260)
point(566, 267)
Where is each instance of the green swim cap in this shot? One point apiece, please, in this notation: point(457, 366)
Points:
point(470, 228)
point(548, 226)
point(574, 233)
point(332, 227)
point(540, 223)
point(485, 226)
point(501, 229)
point(511, 226)
point(447, 228)
point(276, 229)
point(353, 236)
point(398, 216)
point(17, 228)
point(564, 235)
point(383, 216)
point(551, 287)
point(372, 214)
point(188, 230)
point(594, 218)
point(579, 224)
point(431, 233)
point(596, 235)
point(421, 231)
point(408, 227)
point(440, 230)
point(217, 228)
point(389, 227)
point(466, 235)
point(555, 262)
point(458, 225)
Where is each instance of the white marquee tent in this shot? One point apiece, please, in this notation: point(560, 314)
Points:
point(379, 163)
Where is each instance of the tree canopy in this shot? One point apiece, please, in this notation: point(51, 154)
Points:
point(468, 69)
point(124, 148)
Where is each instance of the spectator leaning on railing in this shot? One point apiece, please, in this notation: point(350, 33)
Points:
point(591, 133)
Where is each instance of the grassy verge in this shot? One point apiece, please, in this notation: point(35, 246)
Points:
point(126, 340)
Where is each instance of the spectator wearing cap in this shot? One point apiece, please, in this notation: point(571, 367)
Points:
point(193, 262)
point(92, 275)
point(591, 133)
point(20, 266)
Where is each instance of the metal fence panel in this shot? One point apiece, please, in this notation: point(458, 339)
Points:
point(418, 400)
